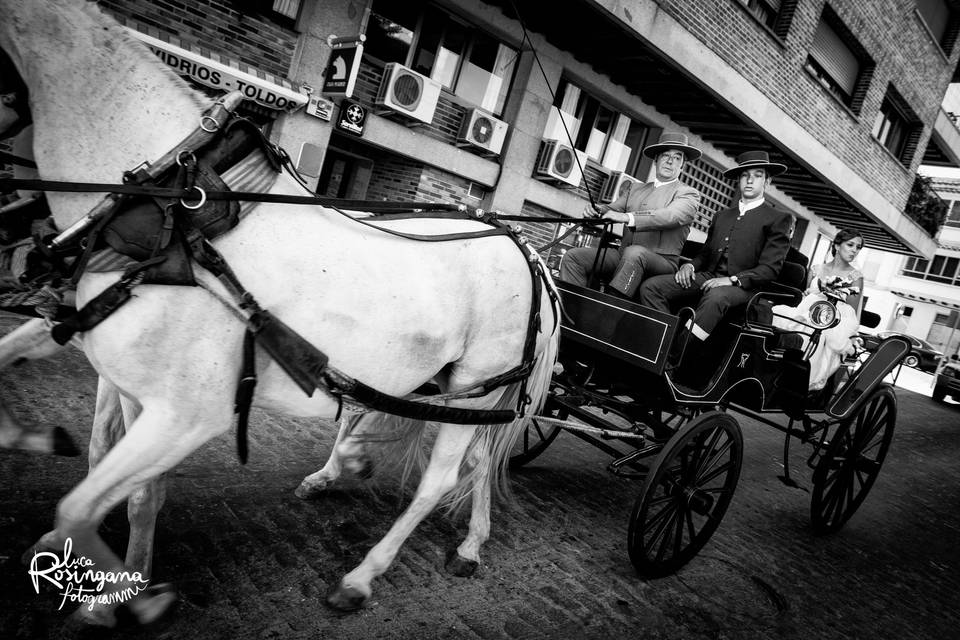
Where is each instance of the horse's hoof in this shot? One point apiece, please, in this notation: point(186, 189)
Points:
point(153, 602)
point(63, 444)
point(312, 490)
point(460, 566)
point(47, 542)
point(345, 598)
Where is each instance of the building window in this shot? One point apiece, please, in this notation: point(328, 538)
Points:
point(944, 269)
point(763, 10)
point(608, 137)
point(942, 20)
point(897, 127)
point(953, 215)
point(287, 8)
point(915, 267)
point(468, 63)
point(838, 61)
point(776, 15)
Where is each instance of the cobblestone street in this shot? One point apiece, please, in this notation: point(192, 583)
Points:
point(253, 561)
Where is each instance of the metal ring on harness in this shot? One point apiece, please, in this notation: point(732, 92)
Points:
point(190, 158)
point(203, 123)
point(200, 203)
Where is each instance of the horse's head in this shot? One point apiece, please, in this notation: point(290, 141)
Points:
point(101, 103)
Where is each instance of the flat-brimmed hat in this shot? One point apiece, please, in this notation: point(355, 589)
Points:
point(755, 160)
point(673, 140)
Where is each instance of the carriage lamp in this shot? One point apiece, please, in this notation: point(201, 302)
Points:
point(822, 314)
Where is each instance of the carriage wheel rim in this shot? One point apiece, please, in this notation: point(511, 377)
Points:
point(686, 494)
point(846, 473)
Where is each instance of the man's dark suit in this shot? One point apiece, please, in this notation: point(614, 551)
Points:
point(751, 246)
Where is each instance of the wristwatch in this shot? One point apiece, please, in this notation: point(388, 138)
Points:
point(735, 281)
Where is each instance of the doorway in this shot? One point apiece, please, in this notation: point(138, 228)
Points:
point(344, 175)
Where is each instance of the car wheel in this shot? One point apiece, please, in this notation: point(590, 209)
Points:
point(911, 360)
point(939, 394)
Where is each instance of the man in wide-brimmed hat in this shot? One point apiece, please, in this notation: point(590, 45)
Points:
point(657, 217)
point(745, 248)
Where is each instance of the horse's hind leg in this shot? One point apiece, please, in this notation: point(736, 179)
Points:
point(438, 479)
point(346, 452)
point(465, 560)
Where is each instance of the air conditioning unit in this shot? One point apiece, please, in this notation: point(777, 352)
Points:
point(558, 161)
point(480, 129)
point(616, 185)
point(408, 93)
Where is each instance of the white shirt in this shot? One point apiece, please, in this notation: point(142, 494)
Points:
point(631, 219)
point(746, 206)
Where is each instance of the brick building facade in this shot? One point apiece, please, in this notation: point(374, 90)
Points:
point(844, 92)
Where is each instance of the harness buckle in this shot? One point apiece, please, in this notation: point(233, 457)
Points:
point(202, 201)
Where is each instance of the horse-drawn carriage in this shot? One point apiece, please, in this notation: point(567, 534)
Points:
point(619, 390)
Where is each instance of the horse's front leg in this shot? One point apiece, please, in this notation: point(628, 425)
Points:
point(438, 479)
point(159, 439)
point(31, 341)
point(347, 452)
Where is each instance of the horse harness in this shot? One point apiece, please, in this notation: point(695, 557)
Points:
point(150, 219)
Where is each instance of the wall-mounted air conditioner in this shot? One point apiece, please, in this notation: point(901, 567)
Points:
point(616, 185)
point(408, 93)
point(558, 161)
point(481, 129)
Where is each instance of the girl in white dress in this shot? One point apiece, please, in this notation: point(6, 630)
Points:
point(840, 282)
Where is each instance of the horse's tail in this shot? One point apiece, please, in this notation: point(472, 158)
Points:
point(489, 453)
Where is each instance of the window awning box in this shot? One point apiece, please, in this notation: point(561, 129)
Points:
point(272, 92)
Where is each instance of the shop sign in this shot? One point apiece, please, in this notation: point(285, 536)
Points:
point(219, 76)
point(340, 76)
point(320, 108)
point(353, 117)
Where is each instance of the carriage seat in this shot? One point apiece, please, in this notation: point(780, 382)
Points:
point(792, 279)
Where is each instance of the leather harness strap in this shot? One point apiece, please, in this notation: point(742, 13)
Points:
point(306, 365)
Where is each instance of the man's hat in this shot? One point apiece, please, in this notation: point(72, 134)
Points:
point(755, 160)
point(672, 140)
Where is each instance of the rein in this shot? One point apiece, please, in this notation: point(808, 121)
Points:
point(383, 210)
point(183, 210)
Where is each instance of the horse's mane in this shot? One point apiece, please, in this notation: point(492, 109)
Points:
point(143, 54)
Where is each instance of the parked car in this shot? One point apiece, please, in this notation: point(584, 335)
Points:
point(948, 382)
point(923, 355)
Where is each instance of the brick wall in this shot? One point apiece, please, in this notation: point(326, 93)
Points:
point(393, 178)
point(904, 54)
point(218, 24)
point(447, 117)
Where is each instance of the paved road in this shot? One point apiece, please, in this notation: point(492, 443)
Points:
point(253, 561)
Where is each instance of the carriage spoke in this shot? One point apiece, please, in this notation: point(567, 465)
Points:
point(678, 537)
point(664, 544)
point(665, 516)
point(724, 468)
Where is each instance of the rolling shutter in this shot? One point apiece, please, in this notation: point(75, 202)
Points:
point(835, 57)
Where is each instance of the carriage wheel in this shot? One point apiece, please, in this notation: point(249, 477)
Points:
point(686, 494)
point(537, 435)
point(848, 468)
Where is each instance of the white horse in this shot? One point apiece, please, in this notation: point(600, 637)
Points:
point(388, 311)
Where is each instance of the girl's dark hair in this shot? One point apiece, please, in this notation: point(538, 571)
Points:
point(842, 236)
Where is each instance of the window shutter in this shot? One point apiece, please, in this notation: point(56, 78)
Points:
point(835, 57)
point(936, 14)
